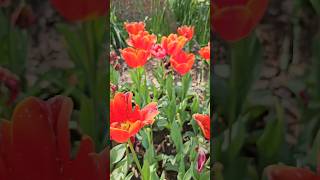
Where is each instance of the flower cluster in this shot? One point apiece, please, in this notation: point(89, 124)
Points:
point(143, 46)
point(126, 121)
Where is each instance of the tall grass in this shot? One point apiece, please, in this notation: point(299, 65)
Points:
point(164, 16)
point(117, 33)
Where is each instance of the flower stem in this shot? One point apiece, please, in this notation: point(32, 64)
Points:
point(135, 158)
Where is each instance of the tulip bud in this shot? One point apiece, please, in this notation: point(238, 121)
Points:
point(23, 16)
point(201, 159)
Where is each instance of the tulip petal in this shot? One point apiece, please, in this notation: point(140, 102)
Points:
point(5, 149)
point(224, 23)
point(74, 10)
point(119, 135)
point(149, 112)
point(282, 172)
point(61, 109)
point(84, 162)
point(33, 141)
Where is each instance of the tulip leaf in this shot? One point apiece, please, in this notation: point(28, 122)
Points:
point(146, 170)
point(189, 173)
point(87, 117)
point(238, 136)
point(270, 141)
point(315, 151)
point(246, 56)
point(176, 136)
point(117, 153)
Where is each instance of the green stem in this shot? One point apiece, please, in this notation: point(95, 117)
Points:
point(146, 87)
point(135, 158)
point(128, 157)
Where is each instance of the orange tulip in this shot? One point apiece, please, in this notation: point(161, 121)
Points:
point(134, 27)
point(135, 57)
point(74, 10)
point(186, 31)
point(204, 123)
point(182, 62)
point(235, 19)
point(173, 44)
point(205, 52)
point(35, 144)
point(282, 172)
point(125, 122)
point(142, 40)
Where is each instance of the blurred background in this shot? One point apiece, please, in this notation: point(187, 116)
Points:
point(278, 120)
point(50, 48)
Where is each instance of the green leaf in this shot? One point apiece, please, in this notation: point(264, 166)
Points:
point(117, 153)
point(175, 134)
point(146, 170)
point(205, 175)
point(87, 117)
point(313, 155)
point(273, 136)
point(237, 138)
point(246, 56)
point(188, 174)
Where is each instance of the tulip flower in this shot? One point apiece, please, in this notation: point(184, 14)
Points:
point(205, 52)
point(11, 82)
point(201, 159)
point(134, 28)
point(282, 172)
point(158, 51)
point(173, 44)
point(126, 121)
point(235, 19)
point(135, 57)
point(203, 121)
point(186, 31)
point(182, 62)
point(142, 40)
point(23, 16)
point(35, 144)
point(74, 10)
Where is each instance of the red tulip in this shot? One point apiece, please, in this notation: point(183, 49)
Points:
point(205, 52)
point(282, 172)
point(142, 40)
point(235, 19)
point(126, 121)
point(182, 62)
point(74, 10)
point(134, 27)
point(135, 57)
point(23, 17)
point(158, 51)
point(204, 123)
point(35, 144)
point(186, 31)
point(173, 44)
